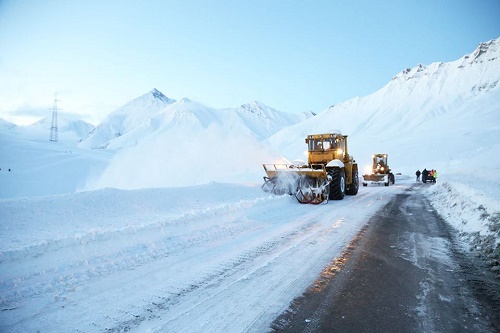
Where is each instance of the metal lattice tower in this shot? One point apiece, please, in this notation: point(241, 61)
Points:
point(53, 127)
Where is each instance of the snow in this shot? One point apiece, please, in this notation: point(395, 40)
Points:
point(473, 208)
point(156, 222)
point(90, 261)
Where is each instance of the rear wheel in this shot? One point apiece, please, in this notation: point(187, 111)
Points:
point(353, 189)
point(337, 184)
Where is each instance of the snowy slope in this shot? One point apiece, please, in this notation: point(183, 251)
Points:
point(6, 125)
point(185, 144)
point(211, 258)
point(265, 121)
point(39, 167)
point(138, 118)
point(188, 137)
point(69, 128)
point(125, 119)
point(454, 103)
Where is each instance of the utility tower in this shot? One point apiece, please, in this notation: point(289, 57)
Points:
point(53, 127)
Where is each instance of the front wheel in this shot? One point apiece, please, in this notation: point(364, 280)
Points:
point(337, 184)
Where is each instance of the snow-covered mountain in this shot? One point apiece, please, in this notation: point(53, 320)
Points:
point(444, 115)
point(6, 125)
point(126, 119)
point(440, 115)
point(154, 111)
point(418, 110)
point(185, 136)
point(69, 127)
point(265, 121)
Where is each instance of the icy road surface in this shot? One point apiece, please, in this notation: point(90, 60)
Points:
point(213, 258)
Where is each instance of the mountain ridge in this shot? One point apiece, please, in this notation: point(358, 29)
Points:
point(421, 99)
point(154, 110)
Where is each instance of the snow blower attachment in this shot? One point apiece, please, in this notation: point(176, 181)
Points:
point(330, 173)
point(381, 173)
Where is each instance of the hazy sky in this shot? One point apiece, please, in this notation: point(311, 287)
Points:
point(291, 55)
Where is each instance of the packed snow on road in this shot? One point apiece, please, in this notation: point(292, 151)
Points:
point(211, 258)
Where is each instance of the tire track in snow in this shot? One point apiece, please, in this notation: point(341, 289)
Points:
point(217, 279)
point(267, 235)
point(72, 262)
point(214, 278)
point(229, 274)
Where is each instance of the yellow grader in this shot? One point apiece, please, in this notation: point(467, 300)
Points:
point(330, 173)
point(381, 173)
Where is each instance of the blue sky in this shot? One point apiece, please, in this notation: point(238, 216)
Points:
point(291, 55)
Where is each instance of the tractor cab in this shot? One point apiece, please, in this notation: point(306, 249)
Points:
point(323, 148)
point(380, 164)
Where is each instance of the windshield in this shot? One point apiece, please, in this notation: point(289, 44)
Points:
point(380, 160)
point(322, 144)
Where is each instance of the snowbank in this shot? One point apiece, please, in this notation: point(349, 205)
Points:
point(474, 214)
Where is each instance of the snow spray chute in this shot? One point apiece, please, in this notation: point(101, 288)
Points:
point(330, 173)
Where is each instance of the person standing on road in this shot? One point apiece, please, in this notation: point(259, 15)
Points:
point(425, 173)
point(435, 175)
point(418, 175)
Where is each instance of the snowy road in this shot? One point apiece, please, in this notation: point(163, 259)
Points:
point(214, 258)
point(404, 273)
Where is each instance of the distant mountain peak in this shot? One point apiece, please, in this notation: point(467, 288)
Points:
point(185, 100)
point(485, 52)
point(485, 47)
point(159, 95)
point(256, 107)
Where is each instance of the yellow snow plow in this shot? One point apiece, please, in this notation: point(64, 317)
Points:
point(381, 173)
point(329, 174)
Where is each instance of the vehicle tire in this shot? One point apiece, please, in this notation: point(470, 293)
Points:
point(353, 189)
point(337, 184)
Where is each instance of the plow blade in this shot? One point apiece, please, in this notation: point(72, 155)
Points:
point(375, 178)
